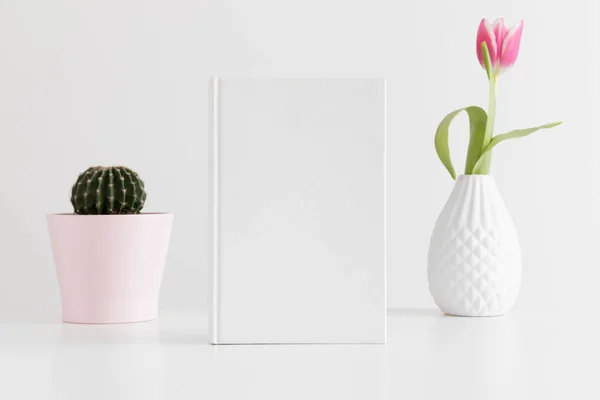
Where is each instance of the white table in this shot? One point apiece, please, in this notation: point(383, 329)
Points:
point(428, 356)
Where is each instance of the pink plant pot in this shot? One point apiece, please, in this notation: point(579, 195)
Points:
point(109, 267)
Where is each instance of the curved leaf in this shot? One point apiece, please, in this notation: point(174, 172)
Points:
point(487, 60)
point(509, 135)
point(477, 121)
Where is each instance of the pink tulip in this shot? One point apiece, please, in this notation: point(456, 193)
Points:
point(502, 43)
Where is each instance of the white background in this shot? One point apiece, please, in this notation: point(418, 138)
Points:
point(126, 82)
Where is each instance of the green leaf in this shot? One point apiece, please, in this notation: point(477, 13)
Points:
point(477, 137)
point(487, 60)
point(509, 135)
point(477, 121)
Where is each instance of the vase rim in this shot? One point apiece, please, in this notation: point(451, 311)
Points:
point(474, 176)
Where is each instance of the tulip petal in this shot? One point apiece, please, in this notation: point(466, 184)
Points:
point(510, 47)
point(500, 31)
point(486, 34)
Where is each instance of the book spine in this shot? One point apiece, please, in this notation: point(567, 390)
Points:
point(213, 210)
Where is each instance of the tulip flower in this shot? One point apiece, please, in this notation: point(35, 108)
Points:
point(502, 43)
point(497, 50)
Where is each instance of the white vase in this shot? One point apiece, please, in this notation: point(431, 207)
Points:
point(474, 265)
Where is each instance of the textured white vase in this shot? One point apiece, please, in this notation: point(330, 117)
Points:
point(474, 265)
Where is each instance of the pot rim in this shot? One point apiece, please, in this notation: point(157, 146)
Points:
point(147, 214)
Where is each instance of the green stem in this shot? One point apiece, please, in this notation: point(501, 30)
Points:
point(480, 140)
point(489, 126)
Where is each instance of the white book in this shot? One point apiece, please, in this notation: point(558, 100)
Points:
point(297, 206)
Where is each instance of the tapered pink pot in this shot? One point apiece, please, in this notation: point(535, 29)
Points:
point(109, 267)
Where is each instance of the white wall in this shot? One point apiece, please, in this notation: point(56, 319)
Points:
point(125, 81)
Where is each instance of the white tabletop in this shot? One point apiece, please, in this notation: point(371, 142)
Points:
point(428, 356)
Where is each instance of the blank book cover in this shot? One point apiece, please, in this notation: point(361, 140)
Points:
point(297, 210)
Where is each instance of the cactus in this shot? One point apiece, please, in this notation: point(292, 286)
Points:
point(108, 190)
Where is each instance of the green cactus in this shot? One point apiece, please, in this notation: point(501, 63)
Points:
point(108, 190)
